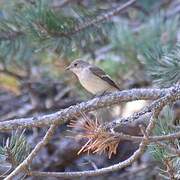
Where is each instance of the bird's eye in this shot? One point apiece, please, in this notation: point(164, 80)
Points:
point(75, 64)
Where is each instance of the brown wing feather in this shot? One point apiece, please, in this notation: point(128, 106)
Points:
point(101, 74)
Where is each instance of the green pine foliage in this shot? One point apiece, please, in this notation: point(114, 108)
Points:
point(153, 45)
point(28, 30)
point(163, 65)
point(15, 149)
point(161, 154)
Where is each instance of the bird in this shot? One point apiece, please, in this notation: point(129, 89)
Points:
point(92, 78)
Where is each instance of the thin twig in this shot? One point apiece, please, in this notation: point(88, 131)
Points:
point(165, 137)
point(168, 137)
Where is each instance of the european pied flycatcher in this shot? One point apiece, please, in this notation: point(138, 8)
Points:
point(92, 78)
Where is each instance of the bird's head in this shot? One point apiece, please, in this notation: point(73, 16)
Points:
point(77, 66)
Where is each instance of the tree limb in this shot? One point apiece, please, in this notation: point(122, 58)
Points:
point(170, 97)
point(128, 137)
point(69, 113)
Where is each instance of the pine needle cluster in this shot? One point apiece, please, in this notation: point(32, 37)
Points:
point(98, 139)
point(15, 149)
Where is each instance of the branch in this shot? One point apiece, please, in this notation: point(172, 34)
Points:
point(104, 17)
point(170, 97)
point(97, 20)
point(128, 137)
point(69, 113)
point(172, 94)
point(24, 165)
point(165, 137)
point(135, 116)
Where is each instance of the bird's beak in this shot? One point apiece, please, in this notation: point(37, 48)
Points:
point(67, 68)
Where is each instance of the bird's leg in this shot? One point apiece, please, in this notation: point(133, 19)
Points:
point(103, 93)
point(100, 95)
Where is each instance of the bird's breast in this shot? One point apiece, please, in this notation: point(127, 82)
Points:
point(92, 83)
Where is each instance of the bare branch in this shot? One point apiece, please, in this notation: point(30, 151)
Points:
point(128, 137)
point(165, 137)
point(170, 97)
point(67, 114)
point(135, 116)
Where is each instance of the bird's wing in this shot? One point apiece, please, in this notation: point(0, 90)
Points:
point(101, 74)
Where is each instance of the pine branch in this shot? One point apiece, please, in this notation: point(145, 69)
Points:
point(167, 151)
point(85, 25)
point(101, 18)
point(16, 149)
point(151, 46)
point(27, 162)
point(163, 66)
